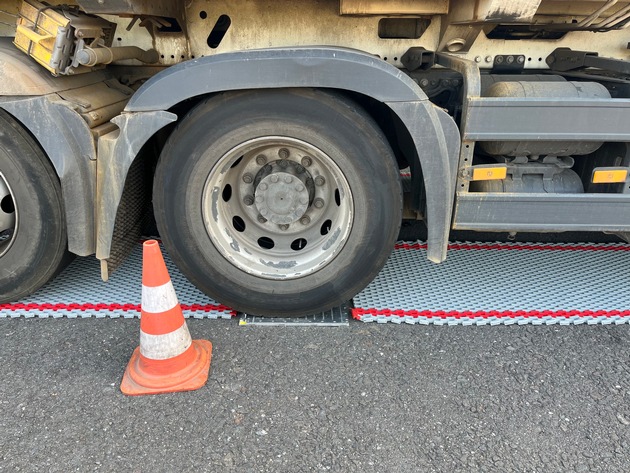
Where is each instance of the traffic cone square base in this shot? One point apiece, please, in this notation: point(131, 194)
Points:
point(136, 381)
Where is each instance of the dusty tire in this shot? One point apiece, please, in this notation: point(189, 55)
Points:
point(330, 221)
point(33, 238)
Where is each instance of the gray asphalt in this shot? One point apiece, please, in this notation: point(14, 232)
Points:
point(363, 398)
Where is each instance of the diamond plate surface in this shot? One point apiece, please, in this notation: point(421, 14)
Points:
point(79, 292)
point(499, 283)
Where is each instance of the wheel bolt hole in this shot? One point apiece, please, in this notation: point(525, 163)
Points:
point(6, 204)
point(326, 226)
point(298, 244)
point(227, 193)
point(238, 223)
point(266, 243)
point(337, 197)
point(236, 163)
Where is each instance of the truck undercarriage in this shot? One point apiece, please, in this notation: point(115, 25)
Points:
point(268, 137)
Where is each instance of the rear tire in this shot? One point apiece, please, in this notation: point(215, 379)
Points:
point(33, 239)
point(278, 203)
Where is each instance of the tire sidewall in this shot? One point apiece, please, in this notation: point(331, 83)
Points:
point(39, 240)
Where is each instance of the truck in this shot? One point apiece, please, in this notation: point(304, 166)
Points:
point(279, 144)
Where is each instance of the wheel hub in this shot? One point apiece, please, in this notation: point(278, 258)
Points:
point(282, 198)
point(277, 207)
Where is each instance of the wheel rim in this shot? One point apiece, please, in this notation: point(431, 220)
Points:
point(8, 216)
point(277, 207)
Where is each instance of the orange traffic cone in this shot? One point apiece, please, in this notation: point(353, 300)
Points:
point(167, 360)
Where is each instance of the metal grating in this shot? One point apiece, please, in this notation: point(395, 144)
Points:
point(336, 317)
point(79, 292)
point(501, 283)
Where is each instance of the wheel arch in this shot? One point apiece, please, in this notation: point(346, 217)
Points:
point(66, 141)
point(433, 132)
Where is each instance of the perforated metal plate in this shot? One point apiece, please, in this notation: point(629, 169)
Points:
point(501, 283)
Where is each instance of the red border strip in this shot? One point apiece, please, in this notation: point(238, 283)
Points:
point(519, 247)
point(107, 307)
point(358, 312)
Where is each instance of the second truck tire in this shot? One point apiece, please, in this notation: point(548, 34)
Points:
point(33, 242)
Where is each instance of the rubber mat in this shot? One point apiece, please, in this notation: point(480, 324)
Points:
point(501, 283)
point(79, 292)
point(480, 283)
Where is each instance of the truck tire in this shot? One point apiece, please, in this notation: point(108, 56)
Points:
point(33, 239)
point(278, 203)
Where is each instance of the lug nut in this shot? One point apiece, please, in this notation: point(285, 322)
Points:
point(306, 161)
point(262, 219)
point(305, 220)
point(248, 178)
point(262, 186)
point(303, 201)
point(284, 227)
point(283, 153)
point(299, 188)
point(264, 212)
point(288, 179)
point(284, 163)
point(274, 178)
point(299, 169)
point(259, 198)
point(318, 203)
point(248, 199)
point(261, 159)
point(320, 181)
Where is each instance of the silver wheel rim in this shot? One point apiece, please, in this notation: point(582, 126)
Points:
point(8, 216)
point(277, 207)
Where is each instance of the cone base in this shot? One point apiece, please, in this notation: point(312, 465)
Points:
point(136, 382)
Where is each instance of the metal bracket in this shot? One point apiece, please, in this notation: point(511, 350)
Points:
point(565, 59)
point(418, 58)
point(508, 63)
point(548, 168)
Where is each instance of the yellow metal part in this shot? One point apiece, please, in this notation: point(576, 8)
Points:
point(32, 35)
point(37, 31)
point(609, 175)
point(488, 173)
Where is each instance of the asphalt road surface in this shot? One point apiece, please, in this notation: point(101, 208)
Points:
point(364, 398)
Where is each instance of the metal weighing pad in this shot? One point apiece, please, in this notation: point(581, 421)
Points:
point(336, 317)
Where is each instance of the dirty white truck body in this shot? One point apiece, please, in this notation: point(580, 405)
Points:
point(267, 137)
